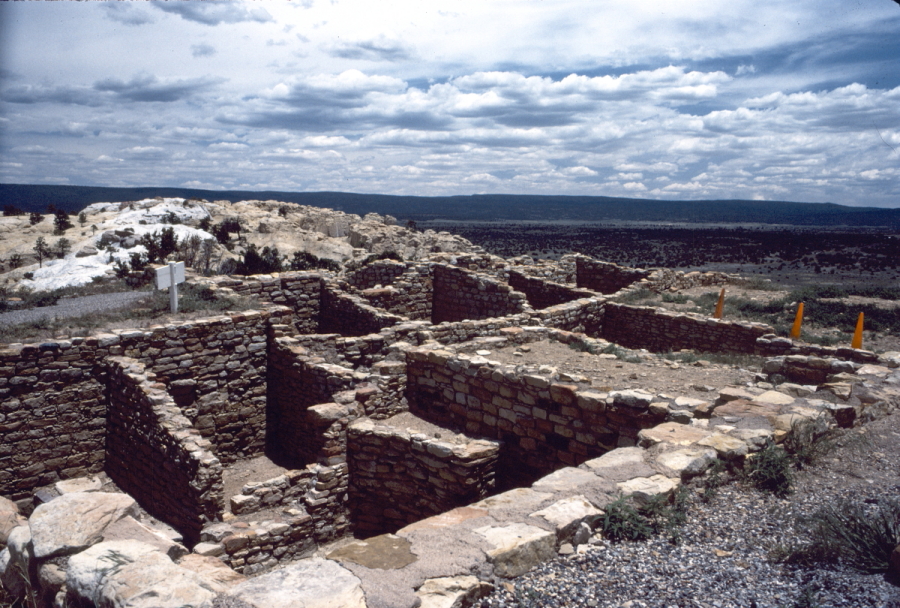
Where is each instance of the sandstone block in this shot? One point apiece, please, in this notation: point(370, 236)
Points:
point(129, 528)
point(517, 548)
point(564, 480)
point(632, 398)
point(243, 503)
point(81, 484)
point(9, 519)
point(74, 522)
point(726, 446)
point(672, 433)
point(774, 398)
point(311, 583)
point(452, 592)
point(134, 574)
point(687, 463)
point(643, 489)
point(219, 576)
point(567, 515)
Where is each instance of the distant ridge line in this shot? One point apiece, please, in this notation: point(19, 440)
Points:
point(483, 207)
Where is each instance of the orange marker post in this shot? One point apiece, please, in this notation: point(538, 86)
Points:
point(719, 305)
point(857, 335)
point(798, 321)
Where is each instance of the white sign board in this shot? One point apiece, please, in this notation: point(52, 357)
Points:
point(170, 276)
point(164, 275)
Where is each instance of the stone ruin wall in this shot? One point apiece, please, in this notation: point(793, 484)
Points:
point(409, 295)
point(379, 272)
point(54, 395)
point(52, 412)
point(155, 454)
point(606, 277)
point(663, 331)
point(542, 293)
point(351, 315)
point(398, 477)
point(461, 294)
point(301, 291)
point(542, 425)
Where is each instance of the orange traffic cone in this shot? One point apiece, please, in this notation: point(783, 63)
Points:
point(857, 335)
point(798, 321)
point(719, 305)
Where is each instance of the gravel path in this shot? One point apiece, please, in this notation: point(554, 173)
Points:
point(73, 307)
point(723, 559)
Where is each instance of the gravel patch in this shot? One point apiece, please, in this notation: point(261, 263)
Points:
point(723, 559)
point(74, 307)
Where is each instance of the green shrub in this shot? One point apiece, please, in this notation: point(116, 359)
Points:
point(304, 260)
point(810, 439)
point(851, 532)
point(715, 479)
point(660, 514)
point(621, 521)
point(260, 262)
point(770, 470)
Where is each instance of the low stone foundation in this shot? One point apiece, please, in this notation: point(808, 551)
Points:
point(398, 477)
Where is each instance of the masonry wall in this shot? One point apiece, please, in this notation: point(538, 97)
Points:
point(216, 371)
point(397, 478)
point(408, 295)
point(315, 500)
point(297, 382)
point(52, 412)
point(563, 271)
point(53, 402)
point(542, 293)
point(156, 455)
point(606, 277)
point(585, 316)
point(459, 294)
point(301, 291)
point(542, 424)
point(380, 272)
point(351, 315)
point(774, 346)
point(663, 331)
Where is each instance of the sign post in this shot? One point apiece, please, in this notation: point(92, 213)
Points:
point(170, 276)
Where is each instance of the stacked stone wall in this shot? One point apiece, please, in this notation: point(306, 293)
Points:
point(542, 424)
point(156, 455)
point(663, 331)
point(351, 315)
point(775, 346)
point(252, 549)
point(542, 293)
point(584, 316)
point(53, 405)
point(52, 412)
point(297, 431)
point(606, 277)
point(380, 272)
point(216, 371)
point(301, 291)
point(666, 279)
point(397, 478)
point(459, 295)
point(463, 331)
point(563, 271)
point(315, 502)
point(409, 295)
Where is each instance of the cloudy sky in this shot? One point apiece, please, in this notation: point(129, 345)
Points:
point(676, 99)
